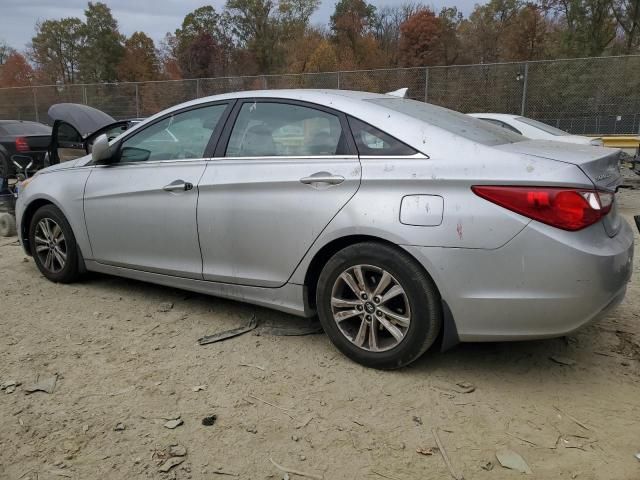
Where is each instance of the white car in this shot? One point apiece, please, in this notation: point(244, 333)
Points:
point(534, 129)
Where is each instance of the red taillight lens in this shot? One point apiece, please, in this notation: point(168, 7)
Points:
point(566, 208)
point(22, 145)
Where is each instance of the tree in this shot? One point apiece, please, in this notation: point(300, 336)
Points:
point(387, 28)
point(256, 27)
point(351, 20)
point(527, 38)
point(450, 21)
point(140, 61)
point(203, 28)
point(482, 35)
point(55, 49)
point(588, 27)
point(103, 49)
point(420, 39)
point(627, 14)
point(5, 51)
point(16, 71)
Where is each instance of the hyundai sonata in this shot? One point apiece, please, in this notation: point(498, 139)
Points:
point(399, 223)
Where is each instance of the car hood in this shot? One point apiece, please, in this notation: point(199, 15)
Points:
point(83, 118)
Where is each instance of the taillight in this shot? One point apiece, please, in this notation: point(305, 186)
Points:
point(566, 208)
point(22, 145)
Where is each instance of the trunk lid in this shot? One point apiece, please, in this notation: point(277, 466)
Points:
point(600, 164)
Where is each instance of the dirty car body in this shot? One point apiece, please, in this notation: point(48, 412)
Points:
point(381, 214)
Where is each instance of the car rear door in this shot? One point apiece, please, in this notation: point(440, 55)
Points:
point(282, 171)
point(140, 211)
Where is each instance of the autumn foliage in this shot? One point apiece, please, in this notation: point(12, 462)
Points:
point(256, 37)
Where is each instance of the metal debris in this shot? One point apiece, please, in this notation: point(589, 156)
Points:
point(45, 384)
point(197, 388)
point(511, 460)
point(119, 427)
point(218, 337)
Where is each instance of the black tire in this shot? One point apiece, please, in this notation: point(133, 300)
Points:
point(7, 225)
point(6, 170)
point(70, 271)
point(421, 293)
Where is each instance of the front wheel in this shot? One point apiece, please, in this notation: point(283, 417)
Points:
point(378, 305)
point(53, 245)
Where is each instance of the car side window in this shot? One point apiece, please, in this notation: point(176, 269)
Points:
point(268, 129)
point(184, 135)
point(374, 142)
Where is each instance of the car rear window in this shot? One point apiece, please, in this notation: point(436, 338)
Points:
point(25, 128)
point(457, 123)
point(542, 126)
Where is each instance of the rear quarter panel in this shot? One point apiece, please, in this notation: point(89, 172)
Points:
point(468, 221)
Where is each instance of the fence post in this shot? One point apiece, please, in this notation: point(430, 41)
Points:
point(84, 95)
point(35, 104)
point(197, 88)
point(426, 84)
point(524, 88)
point(338, 80)
point(137, 102)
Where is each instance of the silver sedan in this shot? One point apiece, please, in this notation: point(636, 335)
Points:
point(399, 223)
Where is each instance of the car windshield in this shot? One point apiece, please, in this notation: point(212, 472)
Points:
point(451, 121)
point(25, 128)
point(542, 126)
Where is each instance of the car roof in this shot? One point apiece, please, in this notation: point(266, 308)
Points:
point(10, 122)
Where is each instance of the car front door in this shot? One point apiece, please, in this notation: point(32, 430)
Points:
point(282, 171)
point(140, 210)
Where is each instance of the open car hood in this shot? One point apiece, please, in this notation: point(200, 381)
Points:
point(85, 119)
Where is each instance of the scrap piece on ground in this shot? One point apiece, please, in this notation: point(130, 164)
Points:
point(171, 424)
point(165, 307)
point(562, 360)
point(43, 384)
point(172, 462)
point(511, 460)
point(218, 337)
point(445, 457)
point(290, 327)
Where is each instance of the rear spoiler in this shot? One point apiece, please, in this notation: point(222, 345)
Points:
point(402, 93)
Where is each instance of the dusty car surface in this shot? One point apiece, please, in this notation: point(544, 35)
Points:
point(398, 222)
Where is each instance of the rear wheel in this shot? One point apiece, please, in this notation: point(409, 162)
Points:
point(378, 306)
point(53, 245)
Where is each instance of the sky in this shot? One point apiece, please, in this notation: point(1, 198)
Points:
point(154, 17)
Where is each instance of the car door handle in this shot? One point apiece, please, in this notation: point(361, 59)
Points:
point(178, 186)
point(322, 177)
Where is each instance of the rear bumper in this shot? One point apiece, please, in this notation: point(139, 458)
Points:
point(544, 283)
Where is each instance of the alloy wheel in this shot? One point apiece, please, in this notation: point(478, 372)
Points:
point(50, 245)
point(370, 308)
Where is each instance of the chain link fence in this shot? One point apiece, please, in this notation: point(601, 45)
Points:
point(582, 96)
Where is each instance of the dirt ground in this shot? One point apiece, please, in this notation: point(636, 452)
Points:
point(124, 368)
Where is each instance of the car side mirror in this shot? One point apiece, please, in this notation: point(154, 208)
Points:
point(101, 151)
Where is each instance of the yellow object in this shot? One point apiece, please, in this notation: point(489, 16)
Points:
point(622, 141)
